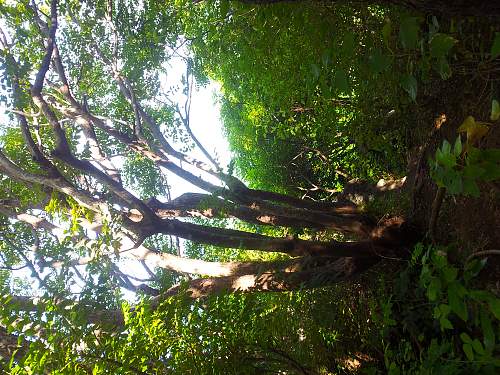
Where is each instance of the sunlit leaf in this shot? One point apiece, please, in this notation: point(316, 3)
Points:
point(475, 130)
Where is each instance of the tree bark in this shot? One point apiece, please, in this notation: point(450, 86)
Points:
point(311, 276)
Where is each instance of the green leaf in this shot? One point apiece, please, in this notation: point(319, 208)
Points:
point(487, 328)
point(491, 155)
point(441, 44)
point(439, 259)
point(446, 147)
point(379, 61)
point(315, 71)
point(443, 68)
point(452, 180)
point(456, 301)
point(434, 289)
point(470, 188)
point(408, 32)
point(478, 347)
point(445, 309)
point(465, 338)
point(468, 351)
point(495, 47)
point(341, 83)
point(450, 274)
point(495, 110)
point(491, 171)
point(445, 324)
point(480, 295)
point(473, 171)
point(494, 304)
point(348, 44)
point(457, 148)
point(386, 32)
point(409, 84)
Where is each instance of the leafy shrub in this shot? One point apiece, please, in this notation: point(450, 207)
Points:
point(437, 321)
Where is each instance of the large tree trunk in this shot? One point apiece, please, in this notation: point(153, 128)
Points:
point(307, 274)
point(310, 263)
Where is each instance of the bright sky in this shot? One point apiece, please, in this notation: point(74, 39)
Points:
point(204, 120)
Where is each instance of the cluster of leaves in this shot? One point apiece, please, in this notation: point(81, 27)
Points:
point(446, 325)
point(289, 89)
point(293, 87)
point(312, 331)
point(460, 168)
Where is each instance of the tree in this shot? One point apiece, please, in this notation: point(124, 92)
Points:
point(446, 8)
point(83, 88)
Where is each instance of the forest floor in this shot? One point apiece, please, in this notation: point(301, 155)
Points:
point(467, 223)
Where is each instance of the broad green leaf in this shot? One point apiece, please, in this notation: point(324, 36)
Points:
point(409, 84)
point(315, 70)
point(468, 351)
point(379, 62)
point(465, 338)
point(457, 148)
point(494, 304)
point(472, 268)
point(471, 188)
point(349, 44)
point(491, 171)
point(487, 328)
point(480, 295)
point(443, 68)
point(473, 171)
point(456, 301)
point(341, 81)
point(478, 347)
point(434, 289)
point(408, 32)
point(445, 324)
point(386, 32)
point(495, 110)
point(450, 274)
point(446, 147)
point(495, 47)
point(491, 155)
point(441, 44)
point(445, 309)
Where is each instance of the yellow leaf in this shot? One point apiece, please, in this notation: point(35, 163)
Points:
point(475, 129)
